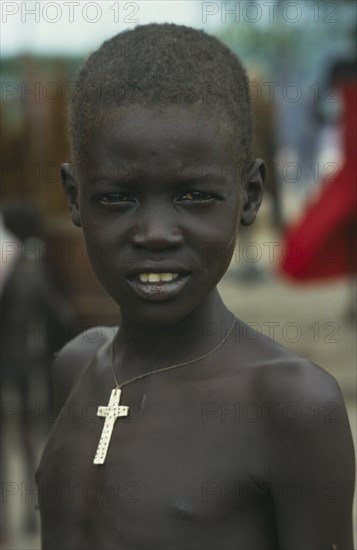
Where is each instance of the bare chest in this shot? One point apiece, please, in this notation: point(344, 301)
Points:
point(167, 469)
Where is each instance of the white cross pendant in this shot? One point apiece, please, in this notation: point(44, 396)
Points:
point(113, 411)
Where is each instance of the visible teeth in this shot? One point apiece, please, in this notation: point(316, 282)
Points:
point(153, 277)
point(157, 277)
point(168, 276)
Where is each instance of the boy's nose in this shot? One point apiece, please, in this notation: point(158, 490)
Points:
point(157, 233)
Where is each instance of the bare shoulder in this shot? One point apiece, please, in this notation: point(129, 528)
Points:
point(73, 358)
point(296, 378)
point(299, 396)
point(308, 448)
point(307, 409)
point(279, 373)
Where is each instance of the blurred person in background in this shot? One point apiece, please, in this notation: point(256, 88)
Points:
point(31, 308)
point(323, 242)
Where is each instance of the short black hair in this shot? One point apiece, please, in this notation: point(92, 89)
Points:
point(159, 65)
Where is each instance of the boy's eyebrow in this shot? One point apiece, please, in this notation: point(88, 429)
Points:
point(204, 177)
point(180, 180)
point(195, 179)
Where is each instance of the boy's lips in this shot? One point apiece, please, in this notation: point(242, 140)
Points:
point(156, 284)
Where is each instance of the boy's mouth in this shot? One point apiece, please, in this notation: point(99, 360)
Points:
point(156, 286)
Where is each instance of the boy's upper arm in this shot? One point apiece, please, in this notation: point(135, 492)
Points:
point(72, 359)
point(312, 469)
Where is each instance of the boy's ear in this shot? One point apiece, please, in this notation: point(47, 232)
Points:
point(71, 189)
point(253, 189)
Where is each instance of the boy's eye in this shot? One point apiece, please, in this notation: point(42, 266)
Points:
point(115, 198)
point(196, 196)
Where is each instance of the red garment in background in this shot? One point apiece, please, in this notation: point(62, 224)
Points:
point(323, 243)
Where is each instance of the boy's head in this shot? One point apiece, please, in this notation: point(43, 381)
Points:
point(160, 65)
point(161, 131)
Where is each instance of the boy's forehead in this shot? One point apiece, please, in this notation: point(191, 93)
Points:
point(176, 142)
point(172, 125)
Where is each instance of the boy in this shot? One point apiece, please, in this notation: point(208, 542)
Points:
point(161, 135)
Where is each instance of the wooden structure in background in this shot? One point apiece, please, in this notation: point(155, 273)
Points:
point(36, 93)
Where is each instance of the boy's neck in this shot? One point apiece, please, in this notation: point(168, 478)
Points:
point(140, 349)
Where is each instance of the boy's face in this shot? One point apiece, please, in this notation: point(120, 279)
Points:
point(160, 195)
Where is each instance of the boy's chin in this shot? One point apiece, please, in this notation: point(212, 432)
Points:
point(160, 314)
point(157, 314)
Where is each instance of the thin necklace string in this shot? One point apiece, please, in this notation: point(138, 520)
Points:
point(171, 366)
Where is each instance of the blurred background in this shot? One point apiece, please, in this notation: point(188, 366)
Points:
point(293, 273)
